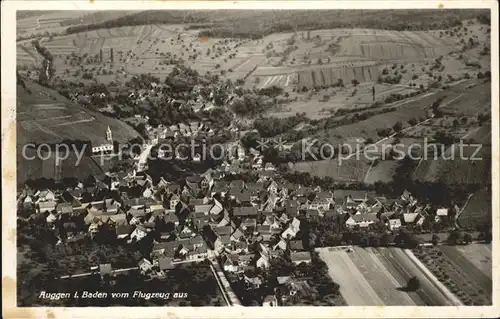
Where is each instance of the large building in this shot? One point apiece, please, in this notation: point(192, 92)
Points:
point(106, 147)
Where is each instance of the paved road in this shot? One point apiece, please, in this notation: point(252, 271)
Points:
point(224, 286)
point(85, 274)
point(143, 158)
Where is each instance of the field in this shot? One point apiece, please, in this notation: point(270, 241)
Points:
point(378, 276)
point(381, 172)
point(36, 167)
point(477, 212)
point(451, 169)
point(44, 116)
point(31, 22)
point(469, 280)
point(351, 170)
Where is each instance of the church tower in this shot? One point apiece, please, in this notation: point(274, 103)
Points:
point(109, 135)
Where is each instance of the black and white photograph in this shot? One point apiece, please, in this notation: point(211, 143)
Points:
point(253, 157)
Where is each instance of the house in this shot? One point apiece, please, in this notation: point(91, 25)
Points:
point(322, 200)
point(171, 218)
point(296, 245)
point(442, 212)
point(361, 220)
point(174, 200)
point(237, 235)
point(216, 208)
point(193, 183)
point(270, 301)
point(51, 218)
point(222, 242)
point(44, 195)
point(248, 223)
point(243, 198)
point(394, 224)
point(145, 265)
point(47, 206)
point(105, 269)
point(64, 208)
point(139, 233)
point(269, 167)
point(118, 219)
point(300, 257)
point(343, 196)
point(292, 229)
point(257, 163)
point(231, 263)
point(205, 209)
point(168, 248)
point(245, 211)
point(410, 218)
point(28, 202)
point(122, 231)
point(272, 187)
point(219, 187)
point(253, 282)
point(262, 262)
point(280, 245)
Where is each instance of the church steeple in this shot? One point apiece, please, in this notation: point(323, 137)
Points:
point(109, 135)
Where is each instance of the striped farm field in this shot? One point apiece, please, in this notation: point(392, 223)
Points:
point(466, 271)
point(347, 170)
point(377, 277)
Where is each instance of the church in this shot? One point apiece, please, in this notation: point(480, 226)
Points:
point(106, 147)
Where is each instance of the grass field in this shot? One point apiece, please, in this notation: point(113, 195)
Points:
point(350, 170)
point(478, 211)
point(44, 116)
point(377, 276)
point(454, 268)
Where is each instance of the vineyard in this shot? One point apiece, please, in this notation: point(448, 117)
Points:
point(477, 213)
point(351, 170)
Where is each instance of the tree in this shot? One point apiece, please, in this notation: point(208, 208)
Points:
point(467, 238)
point(397, 127)
point(455, 237)
point(435, 239)
point(413, 284)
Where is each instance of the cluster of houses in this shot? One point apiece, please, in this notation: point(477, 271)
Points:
point(231, 217)
point(245, 224)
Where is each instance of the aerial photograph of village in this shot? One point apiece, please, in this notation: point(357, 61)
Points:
point(240, 158)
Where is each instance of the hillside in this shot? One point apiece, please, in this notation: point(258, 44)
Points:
point(257, 23)
point(44, 116)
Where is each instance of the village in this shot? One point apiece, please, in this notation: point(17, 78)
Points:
point(242, 215)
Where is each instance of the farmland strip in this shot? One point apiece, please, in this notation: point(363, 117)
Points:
point(467, 268)
point(353, 286)
point(428, 293)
